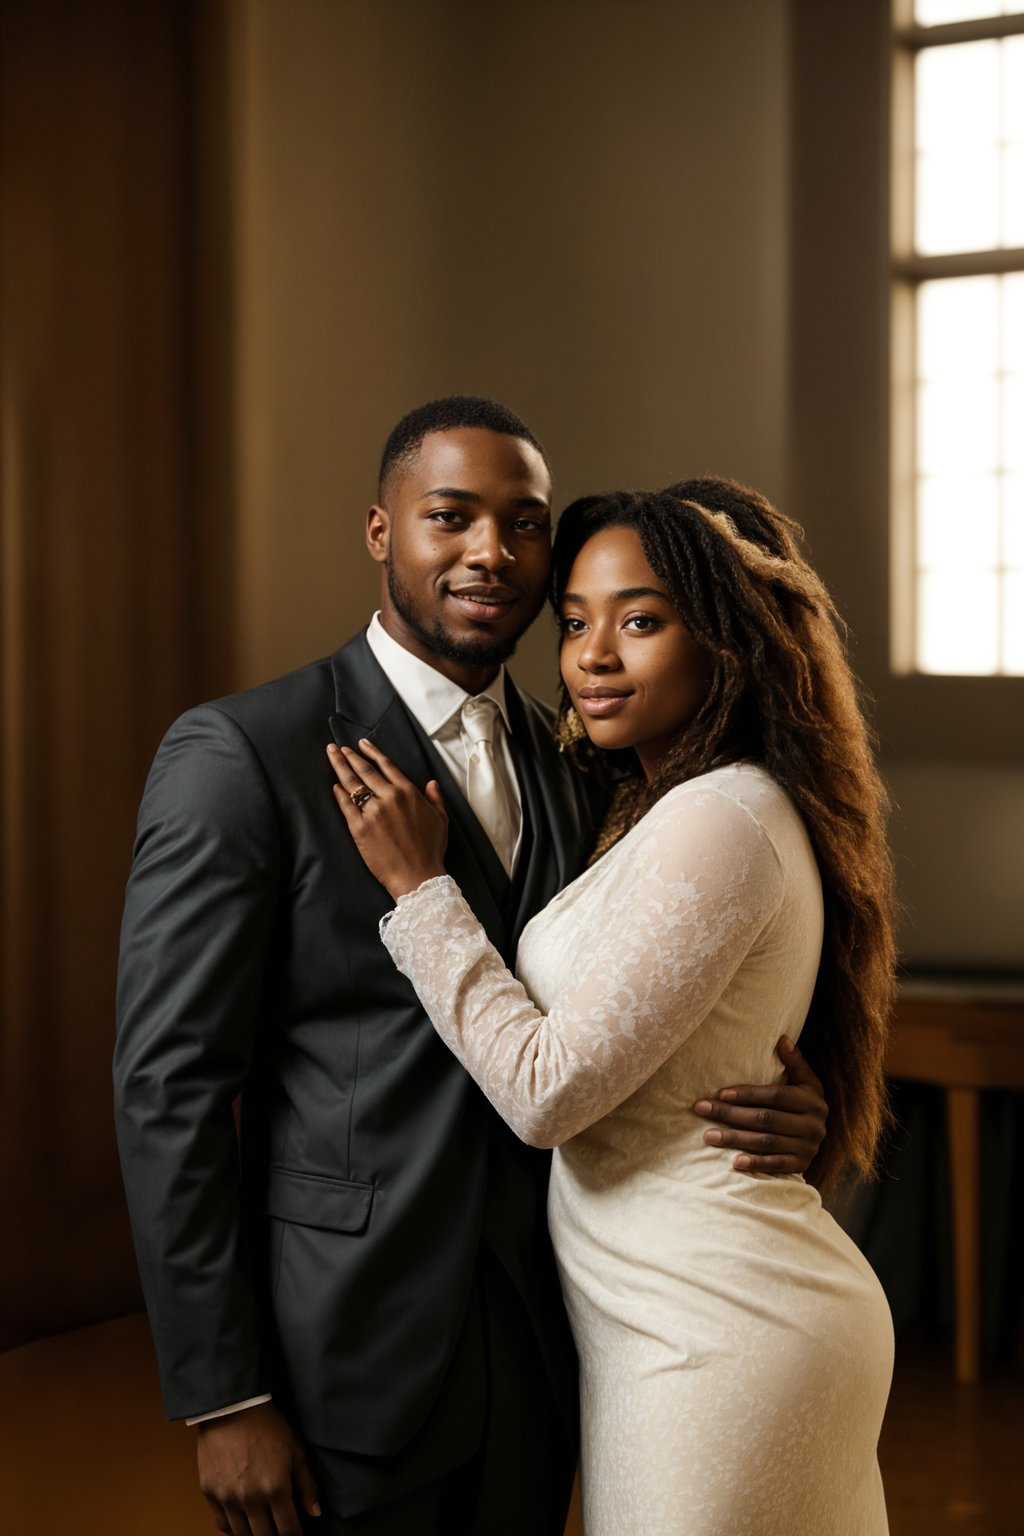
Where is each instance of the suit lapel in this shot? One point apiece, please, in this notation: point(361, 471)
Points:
point(544, 779)
point(367, 705)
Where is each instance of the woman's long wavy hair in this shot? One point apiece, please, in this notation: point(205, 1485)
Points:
point(782, 695)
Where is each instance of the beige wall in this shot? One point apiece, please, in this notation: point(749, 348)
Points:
point(658, 231)
point(578, 208)
point(240, 238)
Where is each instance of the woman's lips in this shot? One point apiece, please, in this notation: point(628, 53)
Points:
point(601, 702)
point(484, 605)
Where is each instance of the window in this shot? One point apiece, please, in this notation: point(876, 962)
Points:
point(958, 332)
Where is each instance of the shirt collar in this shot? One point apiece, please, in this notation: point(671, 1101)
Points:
point(432, 699)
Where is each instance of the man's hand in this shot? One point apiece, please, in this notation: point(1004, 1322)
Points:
point(251, 1468)
point(778, 1128)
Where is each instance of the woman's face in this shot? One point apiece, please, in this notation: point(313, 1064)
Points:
point(633, 670)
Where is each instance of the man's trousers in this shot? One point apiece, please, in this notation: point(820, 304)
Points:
point(517, 1479)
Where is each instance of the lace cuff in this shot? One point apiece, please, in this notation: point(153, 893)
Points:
point(403, 903)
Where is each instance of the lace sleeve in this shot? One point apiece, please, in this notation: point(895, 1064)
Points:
point(698, 881)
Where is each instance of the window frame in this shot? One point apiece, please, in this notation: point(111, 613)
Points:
point(908, 270)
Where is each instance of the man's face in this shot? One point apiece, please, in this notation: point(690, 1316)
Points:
point(464, 536)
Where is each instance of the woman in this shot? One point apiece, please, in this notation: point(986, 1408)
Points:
point(748, 890)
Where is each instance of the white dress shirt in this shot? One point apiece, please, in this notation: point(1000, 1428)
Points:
point(435, 703)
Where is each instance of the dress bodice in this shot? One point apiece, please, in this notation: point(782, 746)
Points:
point(686, 951)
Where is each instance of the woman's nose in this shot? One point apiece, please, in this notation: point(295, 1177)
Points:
point(597, 654)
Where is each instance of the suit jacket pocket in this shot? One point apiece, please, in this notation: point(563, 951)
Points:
point(312, 1200)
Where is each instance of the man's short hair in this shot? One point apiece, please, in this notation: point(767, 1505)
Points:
point(447, 415)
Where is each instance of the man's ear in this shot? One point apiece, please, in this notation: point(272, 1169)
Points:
point(378, 531)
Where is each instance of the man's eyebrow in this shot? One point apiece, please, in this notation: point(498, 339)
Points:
point(452, 493)
point(626, 595)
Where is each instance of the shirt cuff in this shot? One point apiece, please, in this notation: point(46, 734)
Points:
point(219, 1413)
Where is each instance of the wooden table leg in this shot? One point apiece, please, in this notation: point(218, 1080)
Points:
point(962, 1106)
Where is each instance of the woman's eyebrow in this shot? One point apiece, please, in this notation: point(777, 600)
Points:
point(629, 593)
point(626, 595)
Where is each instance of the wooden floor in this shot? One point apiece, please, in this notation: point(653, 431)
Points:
point(84, 1445)
point(85, 1451)
point(953, 1457)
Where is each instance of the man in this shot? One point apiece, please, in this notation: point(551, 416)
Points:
point(371, 1269)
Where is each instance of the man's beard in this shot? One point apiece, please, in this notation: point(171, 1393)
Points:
point(484, 652)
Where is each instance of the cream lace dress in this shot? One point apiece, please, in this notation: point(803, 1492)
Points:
point(735, 1347)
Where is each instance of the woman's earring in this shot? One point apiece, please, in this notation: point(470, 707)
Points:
point(569, 728)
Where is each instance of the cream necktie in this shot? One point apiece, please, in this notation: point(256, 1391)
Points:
point(487, 787)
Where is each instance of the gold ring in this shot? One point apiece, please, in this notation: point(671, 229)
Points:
point(360, 797)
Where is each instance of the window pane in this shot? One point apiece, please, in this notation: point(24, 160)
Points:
point(1013, 421)
point(1013, 89)
point(956, 95)
point(957, 628)
point(1013, 622)
point(1013, 521)
point(958, 327)
point(958, 523)
point(957, 199)
point(958, 127)
point(1012, 327)
point(957, 427)
point(1012, 230)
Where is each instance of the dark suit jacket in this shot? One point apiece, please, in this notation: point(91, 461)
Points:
point(330, 1259)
